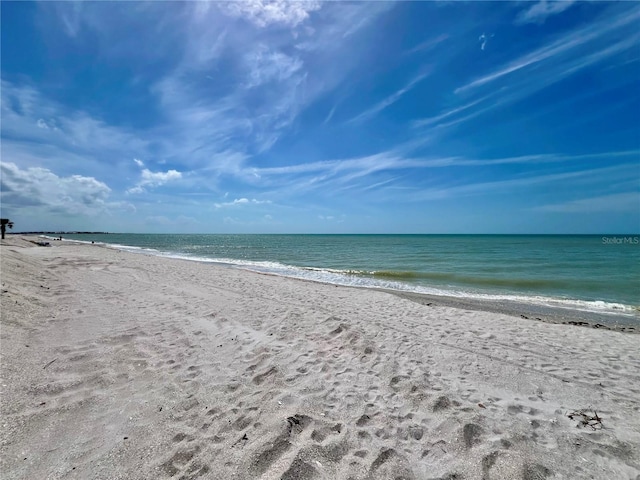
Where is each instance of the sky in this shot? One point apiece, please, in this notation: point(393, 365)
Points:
point(312, 117)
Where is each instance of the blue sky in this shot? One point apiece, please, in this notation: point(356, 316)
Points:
point(307, 117)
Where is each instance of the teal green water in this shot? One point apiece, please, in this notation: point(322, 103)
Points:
point(582, 271)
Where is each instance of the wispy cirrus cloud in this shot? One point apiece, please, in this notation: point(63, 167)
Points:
point(391, 160)
point(388, 171)
point(37, 131)
point(276, 73)
point(540, 11)
point(390, 100)
point(227, 124)
point(266, 65)
point(214, 132)
point(71, 19)
point(287, 101)
point(428, 45)
point(616, 202)
point(569, 180)
point(610, 39)
point(567, 45)
point(424, 122)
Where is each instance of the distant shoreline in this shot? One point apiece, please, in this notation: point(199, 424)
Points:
point(57, 233)
point(605, 234)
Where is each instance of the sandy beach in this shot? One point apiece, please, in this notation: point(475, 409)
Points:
point(126, 366)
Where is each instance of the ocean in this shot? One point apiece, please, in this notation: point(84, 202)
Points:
point(585, 272)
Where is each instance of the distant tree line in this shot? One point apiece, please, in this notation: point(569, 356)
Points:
point(8, 223)
point(62, 233)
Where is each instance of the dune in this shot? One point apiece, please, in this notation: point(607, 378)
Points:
point(127, 366)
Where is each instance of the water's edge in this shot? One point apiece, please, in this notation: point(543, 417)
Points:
point(527, 311)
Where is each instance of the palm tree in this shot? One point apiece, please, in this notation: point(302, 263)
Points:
point(4, 223)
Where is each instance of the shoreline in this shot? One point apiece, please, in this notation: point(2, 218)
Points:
point(608, 320)
point(565, 316)
point(117, 365)
point(623, 323)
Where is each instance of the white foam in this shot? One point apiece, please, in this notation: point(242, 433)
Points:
point(355, 278)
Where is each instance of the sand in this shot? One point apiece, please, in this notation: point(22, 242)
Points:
point(126, 366)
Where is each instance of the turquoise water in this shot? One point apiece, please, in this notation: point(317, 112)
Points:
point(582, 271)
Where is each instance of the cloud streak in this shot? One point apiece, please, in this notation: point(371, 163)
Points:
point(390, 100)
point(540, 11)
point(566, 44)
point(240, 202)
point(617, 202)
point(569, 179)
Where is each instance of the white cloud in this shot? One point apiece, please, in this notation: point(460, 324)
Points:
point(332, 218)
point(149, 179)
point(540, 11)
point(241, 201)
point(264, 12)
point(50, 125)
point(155, 179)
point(40, 189)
